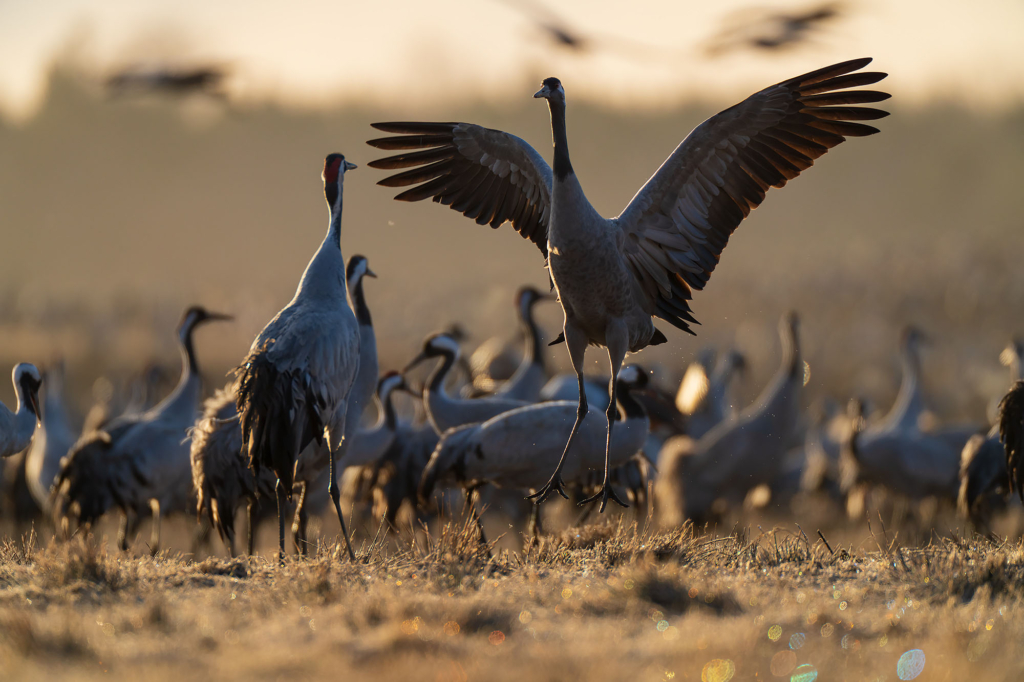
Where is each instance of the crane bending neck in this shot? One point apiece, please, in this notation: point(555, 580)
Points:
point(436, 382)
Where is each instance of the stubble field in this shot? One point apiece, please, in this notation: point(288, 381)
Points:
point(611, 601)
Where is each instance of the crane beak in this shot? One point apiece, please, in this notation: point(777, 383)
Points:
point(406, 388)
point(33, 399)
point(219, 316)
point(371, 273)
point(415, 361)
point(349, 165)
point(543, 92)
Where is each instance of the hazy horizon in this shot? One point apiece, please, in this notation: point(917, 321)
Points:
point(324, 55)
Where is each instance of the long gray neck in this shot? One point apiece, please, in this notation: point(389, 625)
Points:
point(532, 350)
point(334, 230)
point(789, 378)
point(184, 399)
point(908, 400)
point(563, 167)
point(436, 382)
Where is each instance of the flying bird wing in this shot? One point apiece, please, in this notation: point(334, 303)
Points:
point(677, 225)
point(484, 174)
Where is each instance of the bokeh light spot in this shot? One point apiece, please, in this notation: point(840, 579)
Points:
point(496, 637)
point(783, 662)
point(797, 640)
point(774, 632)
point(718, 670)
point(910, 665)
point(804, 672)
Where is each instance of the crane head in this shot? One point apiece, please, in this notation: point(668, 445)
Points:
point(551, 90)
point(436, 345)
point(28, 381)
point(335, 167)
point(357, 268)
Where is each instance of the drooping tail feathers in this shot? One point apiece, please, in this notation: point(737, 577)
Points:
point(278, 416)
point(1011, 433)
point(83, 489)
point(220, 470)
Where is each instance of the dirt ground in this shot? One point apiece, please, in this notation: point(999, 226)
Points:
point(612, 601)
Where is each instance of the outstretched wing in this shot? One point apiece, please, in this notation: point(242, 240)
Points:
point(678, 224)
point(484, 174)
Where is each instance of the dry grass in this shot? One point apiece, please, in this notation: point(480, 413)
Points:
point(612, 601)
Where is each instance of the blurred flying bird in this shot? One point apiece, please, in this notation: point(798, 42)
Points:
point(771, 30)
point(172, 81)
point(138, 463)
point(295, 383)
point(559, 32)
point(612, 276)
point(18, 427)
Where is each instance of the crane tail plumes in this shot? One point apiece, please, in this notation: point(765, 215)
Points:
point(1011, 433)
point(278, 416)
point(85, 487)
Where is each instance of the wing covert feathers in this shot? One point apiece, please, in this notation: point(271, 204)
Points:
point(680, 221)
point(487, 175)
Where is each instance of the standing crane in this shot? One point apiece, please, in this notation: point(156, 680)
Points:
point(738, 454)
point(137, 462)
point(613, 276)
point(294, 385)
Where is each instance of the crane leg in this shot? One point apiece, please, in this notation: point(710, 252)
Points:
point(576, 342)
point(332, 488)
point(617, 343)
point(249, 532)
point(282, 506)
point(300, 522)
point(126, 530)
point(533, 529)
point(154, 537)
point(471, 497)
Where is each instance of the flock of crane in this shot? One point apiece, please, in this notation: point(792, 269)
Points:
point(291, 423)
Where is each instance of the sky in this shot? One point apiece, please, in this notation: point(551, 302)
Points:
point(320, 53)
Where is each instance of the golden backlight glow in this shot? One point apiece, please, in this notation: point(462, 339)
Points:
point(320, 52)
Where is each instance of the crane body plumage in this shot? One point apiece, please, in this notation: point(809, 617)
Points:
point(508, 450)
